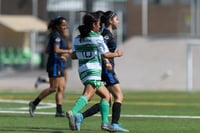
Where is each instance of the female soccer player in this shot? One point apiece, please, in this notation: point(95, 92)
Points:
point(66, 58)
point(88, 48)
point(110, 20)
point(55, 65)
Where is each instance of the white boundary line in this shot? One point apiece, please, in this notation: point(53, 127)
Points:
point(160, 116)
point(130, 116)
point(164, 116)
point(43, 105)
point(24, 110)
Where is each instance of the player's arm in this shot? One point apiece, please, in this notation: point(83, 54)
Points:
point(69, 44)
point(108, 64)
point(62, 51)
point(118, 53)
point(105, 51)
point(64, 56)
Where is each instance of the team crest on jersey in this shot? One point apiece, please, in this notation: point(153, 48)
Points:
point(58, 39)
point(59, 73)
point(106, 37)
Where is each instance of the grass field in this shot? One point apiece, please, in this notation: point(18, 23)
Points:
point(142, 112)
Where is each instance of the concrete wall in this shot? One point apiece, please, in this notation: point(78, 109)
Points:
point(156, 64)
point(147, 64)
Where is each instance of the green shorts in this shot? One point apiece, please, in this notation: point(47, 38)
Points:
point(96, 83)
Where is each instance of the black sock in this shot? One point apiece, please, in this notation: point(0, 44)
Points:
point(36, 101)
point(59, 108)
point(116, 110)
point(91, 111)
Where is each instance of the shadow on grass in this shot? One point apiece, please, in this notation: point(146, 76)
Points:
point(42, 130)
point(33, 130)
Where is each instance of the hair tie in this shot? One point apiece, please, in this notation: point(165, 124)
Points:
point(57, 18)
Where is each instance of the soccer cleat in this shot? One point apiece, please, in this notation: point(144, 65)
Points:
point(32, 108)
point(119, 128)
point(107, 127)
point(71, 119)
point(62, 114)
point(38, 81)
point(78, 121)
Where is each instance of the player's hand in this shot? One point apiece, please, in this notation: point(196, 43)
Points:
point(119, 52)
point(69, 51)
point(63, 57)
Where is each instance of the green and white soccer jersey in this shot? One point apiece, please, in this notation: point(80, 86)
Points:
point(88, 51)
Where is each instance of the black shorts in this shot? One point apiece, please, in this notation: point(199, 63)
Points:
point(55, 71)
point(109, 77)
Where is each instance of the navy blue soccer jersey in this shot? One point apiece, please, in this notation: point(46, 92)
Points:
point(109, 39)
point(110, 42)
point(55, 65)
point(109, 76)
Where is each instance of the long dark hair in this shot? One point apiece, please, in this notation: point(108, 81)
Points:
point(55, 22)
point(88, 20)
point(106, 17)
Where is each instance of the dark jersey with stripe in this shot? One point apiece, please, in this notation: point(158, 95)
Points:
point(109, 77)
point(54, 64)
point(110, 42)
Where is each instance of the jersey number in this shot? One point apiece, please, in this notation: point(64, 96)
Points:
point(87, 54)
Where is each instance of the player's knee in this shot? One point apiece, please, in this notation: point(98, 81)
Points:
point(119, 98)
point(60, 89)
point(106, 97)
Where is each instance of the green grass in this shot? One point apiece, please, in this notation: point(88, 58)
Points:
point(135, 103)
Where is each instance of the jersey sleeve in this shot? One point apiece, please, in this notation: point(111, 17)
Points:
point(102, 46)
point(56, 39)
point(107, 37)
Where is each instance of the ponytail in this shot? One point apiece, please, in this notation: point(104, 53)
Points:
point(51, 25)
point(84, 30)
point(88, 20)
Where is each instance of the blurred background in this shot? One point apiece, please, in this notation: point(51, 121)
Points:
point(160, 40)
